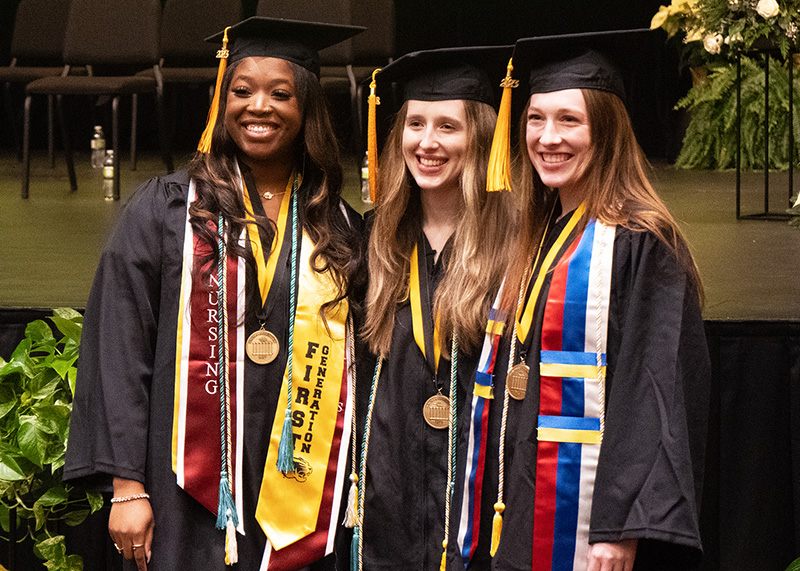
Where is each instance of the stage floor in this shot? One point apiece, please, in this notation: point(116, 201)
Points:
point(50, 243)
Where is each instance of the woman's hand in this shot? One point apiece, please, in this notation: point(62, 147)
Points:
point(612, 556)
point(131, 523)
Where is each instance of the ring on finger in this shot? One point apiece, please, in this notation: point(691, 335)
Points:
point(117, 547)
point(134, 547)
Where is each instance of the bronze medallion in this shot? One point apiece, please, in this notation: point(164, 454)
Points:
point(262, 347)
point(437, 411)
point(517, 381)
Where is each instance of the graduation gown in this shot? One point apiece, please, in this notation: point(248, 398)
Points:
point(123, 409)
point(649, 473)
point(407, 459)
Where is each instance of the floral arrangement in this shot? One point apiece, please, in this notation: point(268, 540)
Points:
point(725, 26)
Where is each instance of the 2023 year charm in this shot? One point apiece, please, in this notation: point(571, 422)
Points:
point(517, 381)
point(262, 347)
point(437, 411)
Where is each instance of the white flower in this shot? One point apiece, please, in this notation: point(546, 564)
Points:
point(713, 43)
point(767, 8)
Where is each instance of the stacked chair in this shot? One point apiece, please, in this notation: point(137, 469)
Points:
point(37, 43)
point(121, 37)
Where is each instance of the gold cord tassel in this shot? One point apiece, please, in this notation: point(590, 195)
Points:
point(205, 139)
point(497, 526)
point(444, 556)
point(499, 170)
point(372, 137)
point(231, 547)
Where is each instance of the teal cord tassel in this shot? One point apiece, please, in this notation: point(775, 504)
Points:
point(225, 508)
point(286, 449)
point(354, 549)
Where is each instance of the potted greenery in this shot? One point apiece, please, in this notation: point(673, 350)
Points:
point(36, 389)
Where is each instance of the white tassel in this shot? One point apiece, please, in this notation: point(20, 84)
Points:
point(231, 548)
point(350, 514)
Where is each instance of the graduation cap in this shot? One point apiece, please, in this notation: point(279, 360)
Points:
point(602, 61)
point(292, 40)
point(465, 73)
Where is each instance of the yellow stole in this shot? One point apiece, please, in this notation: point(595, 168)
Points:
point(288, 506)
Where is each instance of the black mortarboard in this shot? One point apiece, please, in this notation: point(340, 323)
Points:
point(293, 40)
point(467, 73)
point(603, 61)
point(470, 73)
point(592, 60)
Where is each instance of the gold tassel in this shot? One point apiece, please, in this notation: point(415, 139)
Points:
point(444, 556)
point(372, 137)
point(497, 526)
point(351, 513)
point(499, 170)
point(205, 139)
point(231, 547)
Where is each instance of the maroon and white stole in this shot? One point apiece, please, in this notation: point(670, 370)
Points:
point(196, 455)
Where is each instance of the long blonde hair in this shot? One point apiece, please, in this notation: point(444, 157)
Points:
point(476, 261)
point(617, 189)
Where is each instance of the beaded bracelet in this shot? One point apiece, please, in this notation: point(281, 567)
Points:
point(130, 498)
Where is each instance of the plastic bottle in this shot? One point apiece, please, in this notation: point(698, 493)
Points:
point(108, 175)
point(98, 147)
point(365, 197)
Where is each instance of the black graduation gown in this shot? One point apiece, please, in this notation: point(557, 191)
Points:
point(649, 474)
point(407, 459)
point(123, 408)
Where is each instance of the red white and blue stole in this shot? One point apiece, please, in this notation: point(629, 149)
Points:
point(482, 393)
point(572, 400)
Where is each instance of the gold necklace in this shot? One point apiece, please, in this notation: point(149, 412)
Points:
point(269, 195)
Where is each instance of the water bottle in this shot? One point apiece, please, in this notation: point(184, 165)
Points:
point(108, 175)
point(365, 197)
point(98, 147)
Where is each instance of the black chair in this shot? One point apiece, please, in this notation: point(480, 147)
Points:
point(187, 60)
point(37, 43)
point(121, 37)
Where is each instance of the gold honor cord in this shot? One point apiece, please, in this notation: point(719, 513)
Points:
point(417, 322)
point(524, 321)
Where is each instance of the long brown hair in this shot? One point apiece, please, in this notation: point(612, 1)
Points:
point(337, 245)
point(474, 264)
point(617, 189)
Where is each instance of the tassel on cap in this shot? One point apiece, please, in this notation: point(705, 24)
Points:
point(499, 170)
point(350, 514)
point(205, 139)
point(497, 526)
point(372, 137)
point(286, 448)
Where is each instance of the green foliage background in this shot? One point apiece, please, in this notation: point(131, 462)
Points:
point(36, 389)
point(710, 139)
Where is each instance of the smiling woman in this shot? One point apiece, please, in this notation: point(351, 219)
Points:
point(435, 259)
point(212, 299)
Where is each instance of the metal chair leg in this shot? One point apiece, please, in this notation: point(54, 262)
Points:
point(11, 121)
point(73, 181)
point(26, 146)
point(115, 142)
point(51, 153)
point(134, 122)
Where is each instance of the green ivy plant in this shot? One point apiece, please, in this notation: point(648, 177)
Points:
point(710, 139)
point(36, 389)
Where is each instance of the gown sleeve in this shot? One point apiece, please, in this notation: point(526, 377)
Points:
point(110, 419)
point(649, 475)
